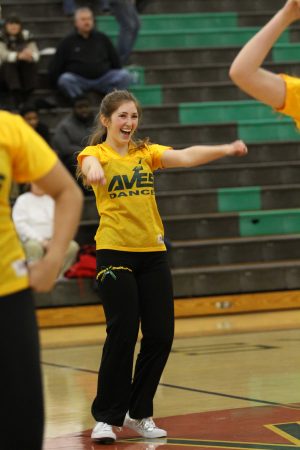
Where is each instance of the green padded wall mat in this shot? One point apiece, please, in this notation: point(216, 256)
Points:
point(225, 111)
point(239, 199)
point(148, 95)
point(281, 129)
point(150, 22)
point(286, 52)
point(269, 222)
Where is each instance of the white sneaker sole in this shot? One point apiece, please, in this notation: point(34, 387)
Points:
point(146, 435)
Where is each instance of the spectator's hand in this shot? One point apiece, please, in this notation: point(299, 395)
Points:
point(237, 148)
point(25, 55)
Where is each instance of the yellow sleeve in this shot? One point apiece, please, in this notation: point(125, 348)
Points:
point(91, 150)
point(157, 151)
point(292, 99)
point(31, 156)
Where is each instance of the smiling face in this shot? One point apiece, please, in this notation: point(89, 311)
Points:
point(121, 125)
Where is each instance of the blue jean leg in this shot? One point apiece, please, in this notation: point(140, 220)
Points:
point(127, 16)
point(104, 5)
point(73, 85)
point(113, 79)
point(69, 6)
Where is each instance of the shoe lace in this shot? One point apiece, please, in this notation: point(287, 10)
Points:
point(106, 426)
point(147, 424)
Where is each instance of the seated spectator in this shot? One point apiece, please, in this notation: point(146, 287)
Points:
point(126, 14)
point(33, 216)
point(72, 132)
point(19, 56)
point(86, 60)
point(30, 114)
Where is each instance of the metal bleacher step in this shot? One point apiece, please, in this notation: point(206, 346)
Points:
point(185, 56)
point(174, 56)
point(230, 224)
point(195, 73)
point(193, 282)
point(158, 6)
point(220, 251)
point(198, 201)
point(229, 175)
point(203, 19)
point(237, 278)
point(180, 92)
point(228, 200)
point(36, 8)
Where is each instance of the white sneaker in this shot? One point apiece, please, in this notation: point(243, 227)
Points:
point(102, 432)
point(144, 427)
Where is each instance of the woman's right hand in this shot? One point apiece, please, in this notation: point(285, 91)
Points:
point(93, 171)
point(95, 175)
point(292, 10)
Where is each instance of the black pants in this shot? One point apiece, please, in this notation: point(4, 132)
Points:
point(21, 404)
point(21, 75)
point(19, 79)
point(137, 289)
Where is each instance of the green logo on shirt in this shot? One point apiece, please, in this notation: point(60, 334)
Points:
point(122, 185)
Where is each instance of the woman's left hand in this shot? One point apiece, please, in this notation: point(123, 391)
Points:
point(237, 148)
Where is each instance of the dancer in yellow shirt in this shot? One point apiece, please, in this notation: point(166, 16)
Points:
point(24, 157)
point(133, 274)
point(280, 91)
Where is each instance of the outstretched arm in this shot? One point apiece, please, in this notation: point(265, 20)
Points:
point(201, 154)
point(246, 71)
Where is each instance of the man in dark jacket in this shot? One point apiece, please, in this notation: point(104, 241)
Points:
point(86, 60)
point(72, 133)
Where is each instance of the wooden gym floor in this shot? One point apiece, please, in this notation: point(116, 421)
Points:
point(231, 382)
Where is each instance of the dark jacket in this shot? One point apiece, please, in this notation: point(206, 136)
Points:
point(71, 136)
point(43, 130)
point(88, 57)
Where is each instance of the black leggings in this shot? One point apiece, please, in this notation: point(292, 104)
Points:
point(21, 409)
point(137, 289)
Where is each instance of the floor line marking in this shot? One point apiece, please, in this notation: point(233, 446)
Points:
point(184, 388)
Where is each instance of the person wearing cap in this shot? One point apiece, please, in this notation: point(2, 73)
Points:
point(19, 55)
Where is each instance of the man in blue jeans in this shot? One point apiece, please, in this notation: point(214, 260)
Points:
point(126, 14)
point(86, 60)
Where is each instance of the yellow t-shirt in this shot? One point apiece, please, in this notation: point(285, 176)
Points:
point(130, 220)
point(292, 99)
point(24, 157)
